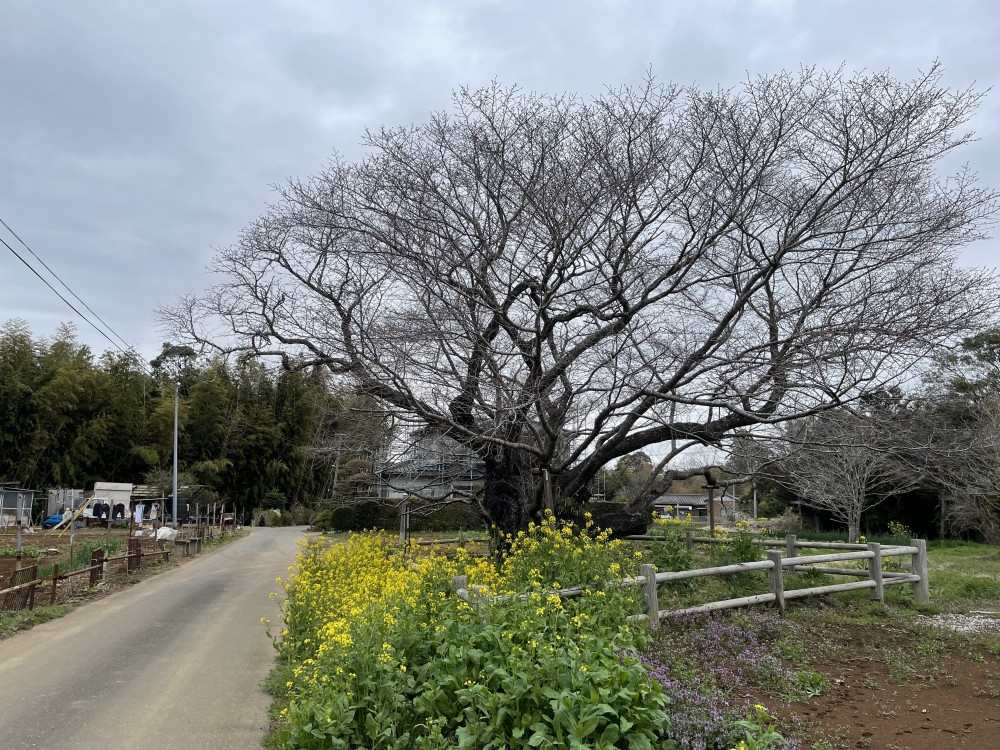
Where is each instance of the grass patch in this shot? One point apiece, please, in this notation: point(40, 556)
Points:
point(278, 685)
point(12, 622)
point(83, 550)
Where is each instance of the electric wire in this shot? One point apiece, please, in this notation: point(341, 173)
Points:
point(56, 292)
point(130, 349)
point(65, 285)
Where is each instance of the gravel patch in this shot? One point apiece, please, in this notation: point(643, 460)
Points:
point(974, 623)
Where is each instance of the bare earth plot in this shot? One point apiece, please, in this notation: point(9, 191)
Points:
point(173, 662)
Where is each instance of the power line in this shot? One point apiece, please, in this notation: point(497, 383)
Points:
point(65, 285)
point(130, 348)
point(56, 292)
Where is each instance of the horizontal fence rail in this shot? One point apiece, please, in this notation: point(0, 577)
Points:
point(873, 553)
point(22, 595)
point(431, 542)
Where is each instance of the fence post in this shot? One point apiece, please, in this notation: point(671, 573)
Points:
point(689, 540)
point(875, 572)
point(55, 577)
point(96, 566)
point(790, 549)
point(649, 594)
point(404, 522)
point(918, 566)
point(479, 602)
point(776, 579)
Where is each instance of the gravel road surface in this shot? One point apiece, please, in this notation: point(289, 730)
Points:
point(174, 662)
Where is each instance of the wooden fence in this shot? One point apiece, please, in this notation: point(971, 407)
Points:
point(21, 594)
point(874, 577)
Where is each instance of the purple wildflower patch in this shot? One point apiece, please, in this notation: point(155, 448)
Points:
point(708, 665)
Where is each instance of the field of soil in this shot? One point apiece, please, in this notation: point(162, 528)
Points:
point(898, 689)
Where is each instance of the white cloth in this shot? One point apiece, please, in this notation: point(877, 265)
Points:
point(138, 513)
point(166, 534)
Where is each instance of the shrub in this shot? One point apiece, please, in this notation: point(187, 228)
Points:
point(373, 516)
point(323, 520)
point(386, 655)
point(299, 515)
point(271, 518)
point(455, 517)
point(740, 546)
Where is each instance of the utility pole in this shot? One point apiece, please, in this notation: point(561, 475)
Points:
point(173, 510)
point(335, 446)
point(710, 486)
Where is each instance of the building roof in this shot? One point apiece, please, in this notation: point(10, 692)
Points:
point(143, 491)
point(416, 468)
point(692, 499)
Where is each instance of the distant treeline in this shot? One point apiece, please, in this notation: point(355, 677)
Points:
point(248, 434)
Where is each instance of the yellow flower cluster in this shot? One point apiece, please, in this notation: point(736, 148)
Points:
point(678, 521)
point(367, 621)
point(340, 594)
point(541, 557)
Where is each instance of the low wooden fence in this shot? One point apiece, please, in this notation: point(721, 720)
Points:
point(876, 579)
point(456, 540)
point(21, 594)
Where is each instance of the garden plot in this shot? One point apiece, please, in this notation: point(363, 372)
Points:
point(37, 545)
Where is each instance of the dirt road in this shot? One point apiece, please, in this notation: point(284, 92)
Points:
point(174, 662)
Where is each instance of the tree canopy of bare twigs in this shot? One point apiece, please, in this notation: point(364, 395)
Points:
point(557, 283)
point(846, 464)
point(958, 432)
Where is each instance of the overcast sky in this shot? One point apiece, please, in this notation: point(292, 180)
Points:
point(137, 136)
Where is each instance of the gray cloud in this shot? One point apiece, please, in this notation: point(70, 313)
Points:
point(137, 136)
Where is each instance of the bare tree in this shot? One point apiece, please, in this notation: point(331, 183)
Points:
point(968, 476)
point(846, 464)
point(750, 458)
point(556, 283)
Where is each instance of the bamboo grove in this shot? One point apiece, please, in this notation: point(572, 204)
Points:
point(248, 434)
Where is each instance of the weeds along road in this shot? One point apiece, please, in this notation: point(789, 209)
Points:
point(173, 662)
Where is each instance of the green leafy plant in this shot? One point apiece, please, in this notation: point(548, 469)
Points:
point(83, 550)
point(384, 654)
point(671, 554)
point(758, 731)
point(739, 547)
point(806, 684)
point(27, 550)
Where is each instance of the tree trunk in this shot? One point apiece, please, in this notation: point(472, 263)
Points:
point(505, 505)
point(853, 528)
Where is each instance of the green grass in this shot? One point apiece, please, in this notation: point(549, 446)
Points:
point(83, 550)
point(964, 575)
point(12, 622)
point(276, 683)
